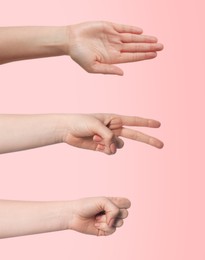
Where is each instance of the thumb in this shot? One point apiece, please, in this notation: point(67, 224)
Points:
point(107, 69)
point(112, 212)
point(105, 137)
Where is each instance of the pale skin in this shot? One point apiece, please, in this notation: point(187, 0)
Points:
point(98, 216)
point(95, 46)
point(97, 132)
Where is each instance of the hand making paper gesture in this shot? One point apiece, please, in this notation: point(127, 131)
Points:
point(95, 46)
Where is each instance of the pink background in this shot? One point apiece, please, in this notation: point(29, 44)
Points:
point(166, 186)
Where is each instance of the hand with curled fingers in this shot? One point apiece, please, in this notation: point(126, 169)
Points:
point(103, 132)
point(94, 216)
point(98, 216)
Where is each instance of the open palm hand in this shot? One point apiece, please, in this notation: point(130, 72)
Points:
point(96, 46)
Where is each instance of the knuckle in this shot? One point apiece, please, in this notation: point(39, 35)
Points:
point(110, 135)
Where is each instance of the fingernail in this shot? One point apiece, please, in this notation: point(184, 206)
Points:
point(111, 223)
point(97, 138)
point(161, 46)
point(113, 148)
point(100, 147)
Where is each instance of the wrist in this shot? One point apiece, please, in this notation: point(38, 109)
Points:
point(72, 38)
point(66, 46)
point(67, 215)
point(64, 125)
point(58, 40)
point(48, 41)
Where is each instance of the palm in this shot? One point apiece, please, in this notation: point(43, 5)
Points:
point(85, 226)
point(82, 135)
point(97, 45)
point(85, 214)
point(90, 126)
point(103, 46)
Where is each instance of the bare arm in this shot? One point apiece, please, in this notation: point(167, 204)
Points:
point(95, 46)
point(20, 43)
point(94, 216)
point(98, 132)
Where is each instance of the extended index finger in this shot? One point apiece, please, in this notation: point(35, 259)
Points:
point(133, 121)
point(122, 28)
point(140, 121)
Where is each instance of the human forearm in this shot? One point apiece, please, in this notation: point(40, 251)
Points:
point(19, 43)
point(95, 46)
point(21, 132)
point(94, 216)
point(98, 132)
point(19, 218)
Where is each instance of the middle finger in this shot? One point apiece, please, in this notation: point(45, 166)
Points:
point(139, 136)
point(141, 47)
point(133, 38)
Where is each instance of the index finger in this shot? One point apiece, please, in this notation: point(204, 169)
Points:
point(122, 203)
point(134, 121)
point(140, 121)
point(122, 28)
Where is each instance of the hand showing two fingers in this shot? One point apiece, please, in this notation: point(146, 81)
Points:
point(103, 132)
